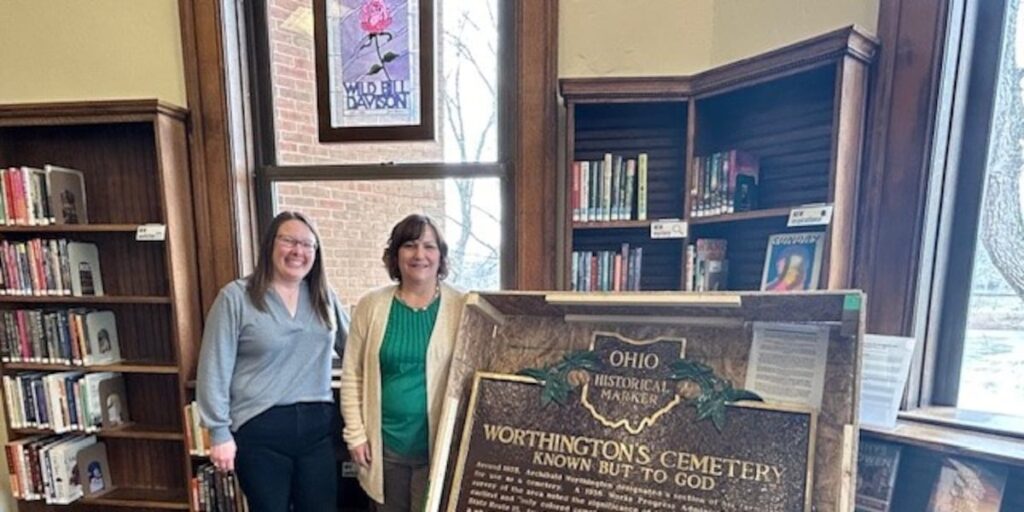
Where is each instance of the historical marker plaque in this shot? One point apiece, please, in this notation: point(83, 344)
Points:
point(524, 452)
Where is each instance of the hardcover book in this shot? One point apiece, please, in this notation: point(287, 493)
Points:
point(792, 262)
point(66, 189)
point(93, 470)
point(102, 345)
point(968, 486)
point(84, 261)
point(712, 267)
point(113, 402)
point(877, 465)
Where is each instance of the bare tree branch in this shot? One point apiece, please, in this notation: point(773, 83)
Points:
point(1002, 220)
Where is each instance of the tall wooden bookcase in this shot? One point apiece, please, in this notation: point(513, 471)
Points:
point(799, 109)
point(134, 158)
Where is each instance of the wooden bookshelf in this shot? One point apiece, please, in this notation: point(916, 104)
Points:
point(799, 109)
point(133, 155)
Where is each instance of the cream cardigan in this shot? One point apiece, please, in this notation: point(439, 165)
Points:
point(360, 375)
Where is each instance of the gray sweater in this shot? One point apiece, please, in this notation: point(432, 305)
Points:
point(251, 361)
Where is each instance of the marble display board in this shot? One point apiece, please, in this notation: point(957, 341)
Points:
point(504, 333)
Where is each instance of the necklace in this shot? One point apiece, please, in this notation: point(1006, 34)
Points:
point(424, 307)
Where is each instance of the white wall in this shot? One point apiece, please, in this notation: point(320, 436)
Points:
point(67, 50)
point(680, 37)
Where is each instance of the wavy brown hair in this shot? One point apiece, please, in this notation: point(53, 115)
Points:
point(411, 228)
point(261, 278)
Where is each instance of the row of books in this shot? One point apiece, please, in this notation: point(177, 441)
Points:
point(197, 436)
point(66, 401)
point(43, 267)
point(723, 183)
point(962, 484)
point(614, 188)
point(77, 336)
point(39, 197)
point(57, 469)
point(792, 263)
point(216, 491)
point(607, 271)
point(707, 268)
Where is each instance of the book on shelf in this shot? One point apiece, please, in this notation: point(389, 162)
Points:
point(965, 485)
point(45, 467)
point(103, 346)
point(196, 435)
point(69, 401)
point(94, 470)
point(213, 490)
point(31, 196)
point(77, 336)
point(84, 261)
point(113, 402)
point(611, 189)
point(792, 262)
point(67, 200)
point(607, 271)
point(715, 186)
point(710, 266)
point(35, 267)
point(877, 465)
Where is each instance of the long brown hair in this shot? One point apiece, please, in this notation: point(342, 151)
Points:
point(316, 279)
point(411, 228)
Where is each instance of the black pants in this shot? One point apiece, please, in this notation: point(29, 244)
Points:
point(286, 459)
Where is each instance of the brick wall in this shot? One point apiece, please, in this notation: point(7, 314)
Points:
point(354, 220)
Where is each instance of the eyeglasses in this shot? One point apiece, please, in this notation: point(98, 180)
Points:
point(290, 242)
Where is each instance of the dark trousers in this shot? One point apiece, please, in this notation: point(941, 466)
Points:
point(405, 483)
point(285, 459)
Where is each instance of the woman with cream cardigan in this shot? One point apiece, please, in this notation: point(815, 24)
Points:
point(396, 367)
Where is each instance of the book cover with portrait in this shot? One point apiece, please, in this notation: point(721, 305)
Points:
point(94, 470)
point(968, 486)
point(792, 262)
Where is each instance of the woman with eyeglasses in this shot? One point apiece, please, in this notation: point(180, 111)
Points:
point(264, 383)
point(394, 376)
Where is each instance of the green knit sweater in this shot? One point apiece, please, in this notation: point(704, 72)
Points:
point(403, 378)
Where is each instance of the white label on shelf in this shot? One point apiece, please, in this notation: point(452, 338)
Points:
point(151, 233)
point(810, 215)
point(669, 228)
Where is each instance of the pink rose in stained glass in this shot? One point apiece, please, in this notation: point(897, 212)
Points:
point(375, 16)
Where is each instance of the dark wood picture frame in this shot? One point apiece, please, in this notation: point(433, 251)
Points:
point(412, 132)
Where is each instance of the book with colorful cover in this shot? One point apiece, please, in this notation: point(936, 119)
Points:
point(792, 262)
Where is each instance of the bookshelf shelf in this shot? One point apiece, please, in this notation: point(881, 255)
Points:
point(789, 121)
point(71, 228)
point(618, 224)
point(741, 216)
point(135, 498)
point(159, 369)
point(134, 431)
point(68, 299)
point(134, 165)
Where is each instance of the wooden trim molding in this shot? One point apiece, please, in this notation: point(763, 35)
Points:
point(534, 146)
point(220, 147)
point(901, 123)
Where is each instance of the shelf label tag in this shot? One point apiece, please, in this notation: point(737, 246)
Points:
point(669, 228)
point(810, 215)
point(151, 233)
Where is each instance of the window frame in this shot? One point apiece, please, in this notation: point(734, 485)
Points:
point(267, 170)
point(963, 128)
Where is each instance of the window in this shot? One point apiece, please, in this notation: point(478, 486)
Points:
point(355, 216)
point(357, 191)
point(978, 319)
